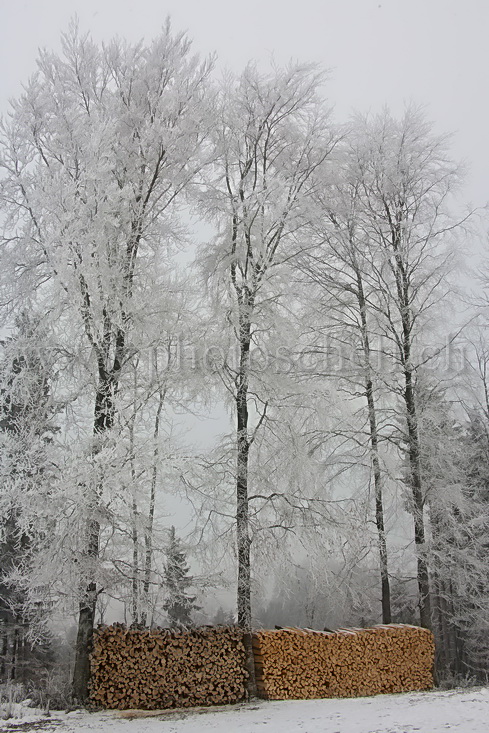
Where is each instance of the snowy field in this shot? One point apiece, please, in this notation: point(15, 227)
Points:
point(464, 711)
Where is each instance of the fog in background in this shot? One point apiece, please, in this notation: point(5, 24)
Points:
point(431, 52)
point(389, 52)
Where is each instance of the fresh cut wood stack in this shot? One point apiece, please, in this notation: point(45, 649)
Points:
point(301, 663)
point(160, 668)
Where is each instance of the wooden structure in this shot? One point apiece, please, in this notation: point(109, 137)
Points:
point(301, 663)
point(160, 668)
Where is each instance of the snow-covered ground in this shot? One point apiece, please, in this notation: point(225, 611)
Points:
point(464, 711)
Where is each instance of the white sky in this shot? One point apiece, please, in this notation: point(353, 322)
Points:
point(433, 52)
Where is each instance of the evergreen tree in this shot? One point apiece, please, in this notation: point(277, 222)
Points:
point(179, 604)
point(26, 428)
point(454, 461)
point(224, 617)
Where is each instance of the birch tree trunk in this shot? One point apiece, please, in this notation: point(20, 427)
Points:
point(418, 502)
point(134, 509)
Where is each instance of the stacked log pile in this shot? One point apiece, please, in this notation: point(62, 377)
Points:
point(302, 664)
point(160, 668)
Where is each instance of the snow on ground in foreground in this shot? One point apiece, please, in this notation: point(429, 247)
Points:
point(463, 711)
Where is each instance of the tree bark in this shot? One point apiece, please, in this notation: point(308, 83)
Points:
point(134, 517)
point(374, 446)
point(148, 535)
point(242, 508)
point(418, 502)
point(84, 640)
point(405, 340)
point(379, 507)
point(103, 421)
point(4, 647)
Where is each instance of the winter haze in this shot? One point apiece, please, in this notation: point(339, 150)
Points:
point(244, 353)
point(391, 52)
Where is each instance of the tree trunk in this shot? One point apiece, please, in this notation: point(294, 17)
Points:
point(134, 517)
point(374, 445)
point(442, 655)
point(148, 535)
point(405, 348)
point(84, 640)
point(135, 563)
point(418, 502)
point(15, 654)
point(242, 509)
point(103, 421)
point(379, 507)
point(4, 648)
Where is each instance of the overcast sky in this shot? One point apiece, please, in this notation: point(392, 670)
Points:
point(433, 52)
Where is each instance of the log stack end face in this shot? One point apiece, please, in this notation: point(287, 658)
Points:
point(160, 668)
point(301, 664)
point(153, 669)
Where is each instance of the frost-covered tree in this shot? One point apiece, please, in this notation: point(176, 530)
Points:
point(453, 460)
point(272, 135)
point(460, 528)
point(405, 180)
point(95, 157)
point(155, 384)
point(342, 317)
point(380, 276)
point(27, 426)
point(472, 596)
point(179, 604)
point(442, 439)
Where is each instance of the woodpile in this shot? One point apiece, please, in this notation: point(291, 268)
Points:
point(160, 668)
point(301, 663)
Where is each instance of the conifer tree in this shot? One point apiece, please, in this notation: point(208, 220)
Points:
point(26, 428)
point(179, 604)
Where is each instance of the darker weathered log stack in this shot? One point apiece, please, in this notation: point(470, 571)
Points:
point(160, 668)
point(302, 664)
